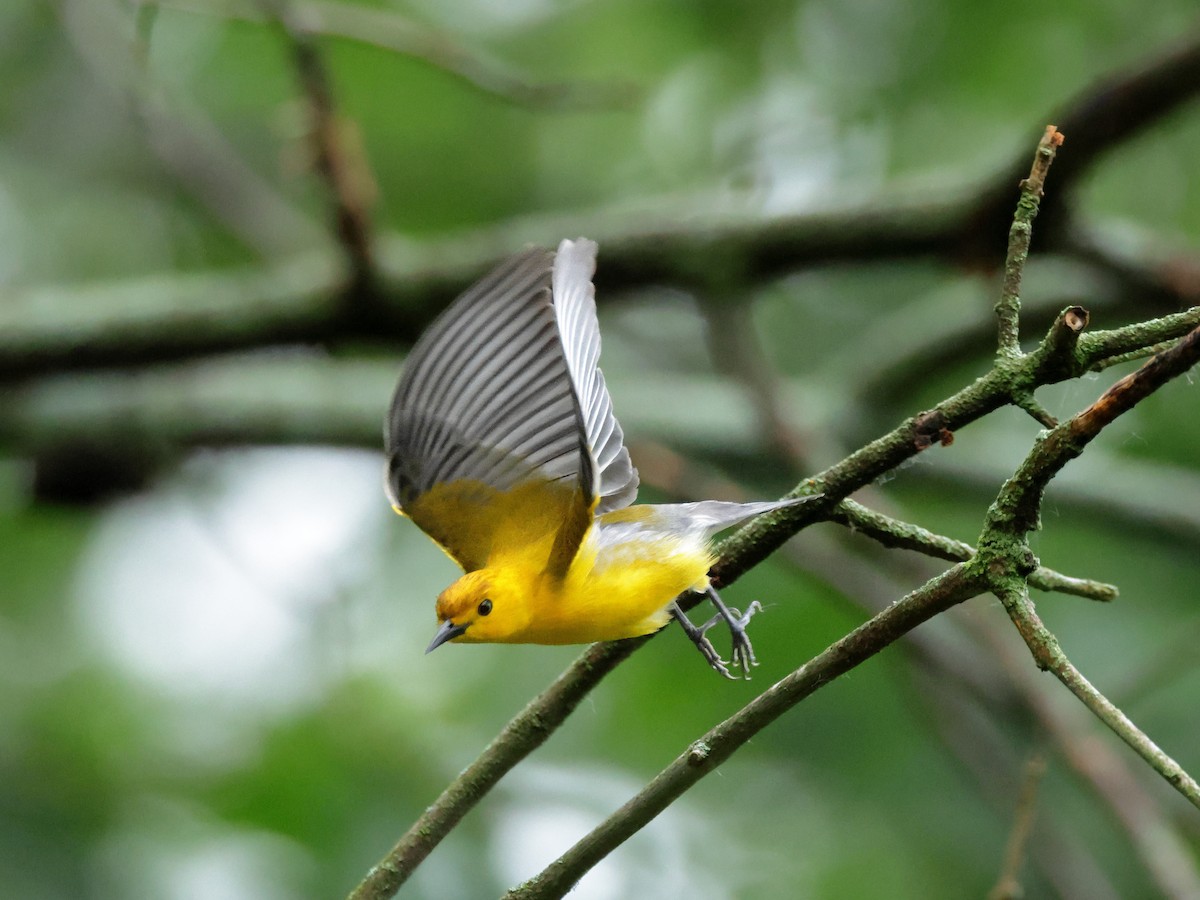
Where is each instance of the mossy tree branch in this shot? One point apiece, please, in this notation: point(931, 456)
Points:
point(527, 731)
point(1008, 307)
point(1017, 512)
point(1003, 566)
point(716, 746)
point(1059, 356)
point(891, 532)
point(1050, 657)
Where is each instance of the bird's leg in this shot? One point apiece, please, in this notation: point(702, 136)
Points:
point(703, 644)
point(743, 653)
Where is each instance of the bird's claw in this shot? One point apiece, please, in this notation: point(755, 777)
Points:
point(714, 658)
point(742, 654)
point(742, 657)
point(703, 644)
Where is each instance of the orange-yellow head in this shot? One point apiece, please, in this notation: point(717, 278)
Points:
point(480, 608)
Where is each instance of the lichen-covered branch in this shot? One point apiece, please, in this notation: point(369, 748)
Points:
point(1148, 826)
point(1001, 565)
point(710, 751)
point(1008, 307)
point(891, 532)
point(1050, 657)
point(1016, 512)
point(528, 730)
point(1056, 358)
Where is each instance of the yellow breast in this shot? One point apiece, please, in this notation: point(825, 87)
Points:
point(622, 591)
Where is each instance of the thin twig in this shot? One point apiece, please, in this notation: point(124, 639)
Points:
point(1104, 114)
point(1148, 827)
point(1008, 885)
point(892, 532)
point(1098, 346)
point(338, 154)
point(1016, 512)
point(1049, 656)
point(1036, 411)
point(1008, 307)
point(707, 753)
point(388, 30)
point(1132, 356)
point(528, 730)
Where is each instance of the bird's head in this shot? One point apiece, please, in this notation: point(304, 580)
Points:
point(478, 608)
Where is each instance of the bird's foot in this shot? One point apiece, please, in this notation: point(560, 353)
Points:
point(703, 644)
point(742, 655)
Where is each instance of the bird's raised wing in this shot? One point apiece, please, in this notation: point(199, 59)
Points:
point(615, 479)
point(487, 439)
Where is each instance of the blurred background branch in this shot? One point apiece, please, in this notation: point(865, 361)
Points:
point(391, 31)
point(420, 280)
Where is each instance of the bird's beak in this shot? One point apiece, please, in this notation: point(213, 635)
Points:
point(448, 631)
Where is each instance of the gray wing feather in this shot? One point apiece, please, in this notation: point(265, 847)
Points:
point(486, 393)
point(615, 478)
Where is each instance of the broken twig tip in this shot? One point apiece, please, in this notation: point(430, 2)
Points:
point(1054, 136)
point(1076, 318)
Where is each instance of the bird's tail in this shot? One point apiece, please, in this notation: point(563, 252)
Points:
point(711, 516)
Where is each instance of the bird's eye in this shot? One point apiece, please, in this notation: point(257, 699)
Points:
point(485, 607)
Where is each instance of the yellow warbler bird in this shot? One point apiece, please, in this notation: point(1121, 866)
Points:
point(502, 446)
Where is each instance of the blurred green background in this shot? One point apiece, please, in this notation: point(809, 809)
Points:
point(212, 680)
